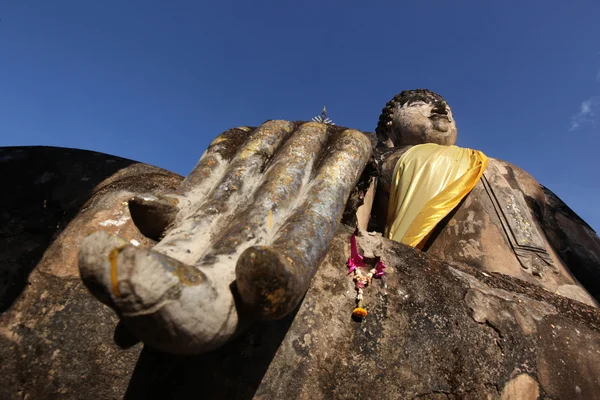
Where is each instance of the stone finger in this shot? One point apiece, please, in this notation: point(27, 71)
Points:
point(274, 199)
point(153, 215)
point(274, 279)
point(167, 304)
point(215, 159)
point(190, 240)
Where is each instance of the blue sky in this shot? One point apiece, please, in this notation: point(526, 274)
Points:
point(155, 81)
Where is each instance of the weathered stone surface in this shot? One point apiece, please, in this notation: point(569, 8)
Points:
point(56, 340)
point(574, 240)
point(241, 239)
point(508, 223)
point(522, 387)
point(475, 234)
point(435, 329)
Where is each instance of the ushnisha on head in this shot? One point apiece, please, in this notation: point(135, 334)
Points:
point(416, 117)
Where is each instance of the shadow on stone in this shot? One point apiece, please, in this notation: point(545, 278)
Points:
point(56, 340)
point(233, 372)
point(123, 338)
point(43, 190)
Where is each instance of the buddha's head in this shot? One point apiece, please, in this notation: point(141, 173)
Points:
point(416, 117)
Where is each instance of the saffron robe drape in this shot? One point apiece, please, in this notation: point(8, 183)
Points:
point(429, 180)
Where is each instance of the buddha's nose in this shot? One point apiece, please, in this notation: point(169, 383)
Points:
point(440, 107)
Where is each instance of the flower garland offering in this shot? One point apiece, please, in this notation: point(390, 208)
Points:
point(356, 265)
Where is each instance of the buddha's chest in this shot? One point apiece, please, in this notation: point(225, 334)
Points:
point(494, 229)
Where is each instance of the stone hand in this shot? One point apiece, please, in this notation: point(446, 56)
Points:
point(240, 240)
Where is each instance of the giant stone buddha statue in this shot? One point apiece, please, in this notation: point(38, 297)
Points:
point(462, 206)
point(242, 237)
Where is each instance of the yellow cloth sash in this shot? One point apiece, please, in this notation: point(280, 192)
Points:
point(429, 181)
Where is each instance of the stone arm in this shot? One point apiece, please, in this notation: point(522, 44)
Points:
point(571, 238)
point(574, 240)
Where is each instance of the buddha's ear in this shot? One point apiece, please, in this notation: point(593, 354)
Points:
point(388, 143)
point(384, 140)
point(385, 136)
point(153, 215)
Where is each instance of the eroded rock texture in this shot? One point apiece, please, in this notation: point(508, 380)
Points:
point(243, 236)
point(510, 225)
point(56, 340)
point(435, 329)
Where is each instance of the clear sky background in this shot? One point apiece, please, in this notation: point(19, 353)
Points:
point(155, 81)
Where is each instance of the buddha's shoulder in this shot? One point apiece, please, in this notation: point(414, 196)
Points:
point(516, 176)
point(548, 202)
point(521, 180)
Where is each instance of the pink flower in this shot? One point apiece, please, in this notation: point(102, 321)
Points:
point(355, 260)
point(379, 269)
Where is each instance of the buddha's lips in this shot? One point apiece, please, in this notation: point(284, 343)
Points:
point(439, 116)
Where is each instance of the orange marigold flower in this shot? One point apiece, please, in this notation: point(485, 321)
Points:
point(359, 312)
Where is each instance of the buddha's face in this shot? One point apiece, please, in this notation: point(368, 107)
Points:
point(419, 121)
